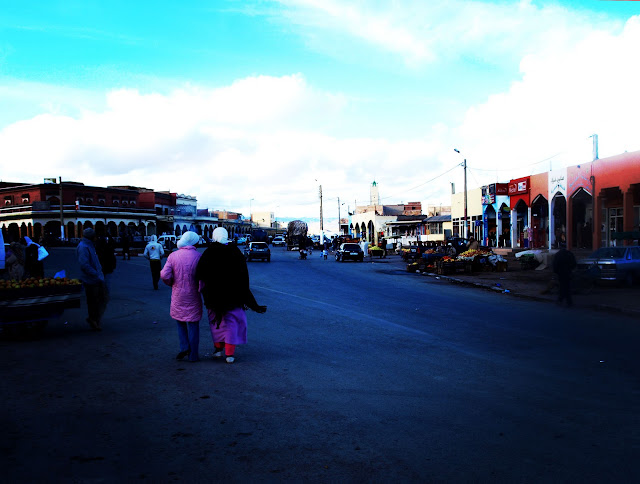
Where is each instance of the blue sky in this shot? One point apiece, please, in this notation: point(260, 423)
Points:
point(234, 100)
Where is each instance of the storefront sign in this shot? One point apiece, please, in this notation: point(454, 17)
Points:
point(517, 187)
point(558, 182)
point(489, 192)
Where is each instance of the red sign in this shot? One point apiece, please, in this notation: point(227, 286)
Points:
point(502, 189)
point(516, 187)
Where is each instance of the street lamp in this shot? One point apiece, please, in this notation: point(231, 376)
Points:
point(466, 221)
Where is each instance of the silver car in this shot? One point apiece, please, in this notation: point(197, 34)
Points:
point(613, 264)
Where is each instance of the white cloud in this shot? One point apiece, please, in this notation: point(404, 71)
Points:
point(564, 96)
point(423, 32)
point(266, 137)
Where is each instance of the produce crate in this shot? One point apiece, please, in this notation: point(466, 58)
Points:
point(30, 292)
point(501, 266)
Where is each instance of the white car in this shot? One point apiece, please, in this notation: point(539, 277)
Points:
point(278, 241)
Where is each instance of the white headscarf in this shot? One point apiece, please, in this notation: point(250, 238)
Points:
point(220, 235)
point(188, 238)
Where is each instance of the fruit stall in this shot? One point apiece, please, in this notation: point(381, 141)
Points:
point(471, 261)
point(30, 303)
point(375, 251)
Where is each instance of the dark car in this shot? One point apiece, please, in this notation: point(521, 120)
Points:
point(620, 264)
point(349, 251)
point(257, 250)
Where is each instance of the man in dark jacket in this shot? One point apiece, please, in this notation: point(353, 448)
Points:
point(563, 264)
point(106, 250)
point(92, 278)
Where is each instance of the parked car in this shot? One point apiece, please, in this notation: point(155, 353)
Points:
point(257, 250)
point(278, 241)
point(164, 239)
point(349, 251)
point(620, 264)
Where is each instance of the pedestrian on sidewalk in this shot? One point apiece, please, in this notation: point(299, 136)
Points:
point(106, 250)
point(92, 278)
point(223, 270)
point(179, 272)
point(154, 252)
point(126, 245)
point(563, 264)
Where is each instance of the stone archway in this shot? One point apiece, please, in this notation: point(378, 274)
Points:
point(371, 231)
point(540, 221)
point(522, 222)
point(558, 221)
point(581, 229)
point(71, 230)
point(491, 226)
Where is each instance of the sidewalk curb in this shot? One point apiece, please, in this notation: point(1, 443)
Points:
point(597, 307)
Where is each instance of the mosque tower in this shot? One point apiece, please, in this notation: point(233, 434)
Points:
point(374, 196)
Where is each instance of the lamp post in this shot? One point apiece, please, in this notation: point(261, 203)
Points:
point(466, 220)
point(339, 219)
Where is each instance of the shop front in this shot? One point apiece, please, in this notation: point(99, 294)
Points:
point(558, 208)
point(494, 198)
point(519, 198)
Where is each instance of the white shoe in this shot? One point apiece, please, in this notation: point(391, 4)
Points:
point(230, 359)
point(217, 354)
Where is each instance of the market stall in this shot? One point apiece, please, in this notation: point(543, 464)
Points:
point(30, 303)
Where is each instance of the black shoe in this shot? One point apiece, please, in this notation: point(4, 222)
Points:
point(182, 354)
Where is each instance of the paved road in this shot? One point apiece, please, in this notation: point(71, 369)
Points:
point(358, 372)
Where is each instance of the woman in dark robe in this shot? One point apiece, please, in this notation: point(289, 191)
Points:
point(226, 293)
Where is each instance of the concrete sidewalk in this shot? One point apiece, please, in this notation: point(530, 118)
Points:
point(537, 284)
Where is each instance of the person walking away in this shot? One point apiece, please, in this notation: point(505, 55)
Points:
point(105, 248)
point(33, 265)
point(126, 244)
point(226, 293)
point(179, 272)
point(563, 264)
point(154, 252)
point(92, 278)
point(15, 261)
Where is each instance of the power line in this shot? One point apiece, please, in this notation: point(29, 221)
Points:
point(423, 184)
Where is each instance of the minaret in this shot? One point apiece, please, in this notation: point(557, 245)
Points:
point(374, 197)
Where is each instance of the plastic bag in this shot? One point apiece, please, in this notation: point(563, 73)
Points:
point(42, 253)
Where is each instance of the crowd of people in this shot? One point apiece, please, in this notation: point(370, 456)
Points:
point(218, 277)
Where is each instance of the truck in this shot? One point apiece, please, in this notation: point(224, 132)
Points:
point(259, 235)
point(296, 233)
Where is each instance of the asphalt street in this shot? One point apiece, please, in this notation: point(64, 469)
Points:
point(358, 372)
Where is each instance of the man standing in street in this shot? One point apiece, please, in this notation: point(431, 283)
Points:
point(153, 252)
point(563, 264)
point(92, 278)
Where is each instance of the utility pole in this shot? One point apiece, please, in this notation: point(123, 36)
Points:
point(339, 226)
point(320, 193)
point(466, 218)
point(61, 212)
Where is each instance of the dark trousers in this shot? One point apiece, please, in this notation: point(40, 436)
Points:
point(96, 301)
point(155, 265)
point(564, 288)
